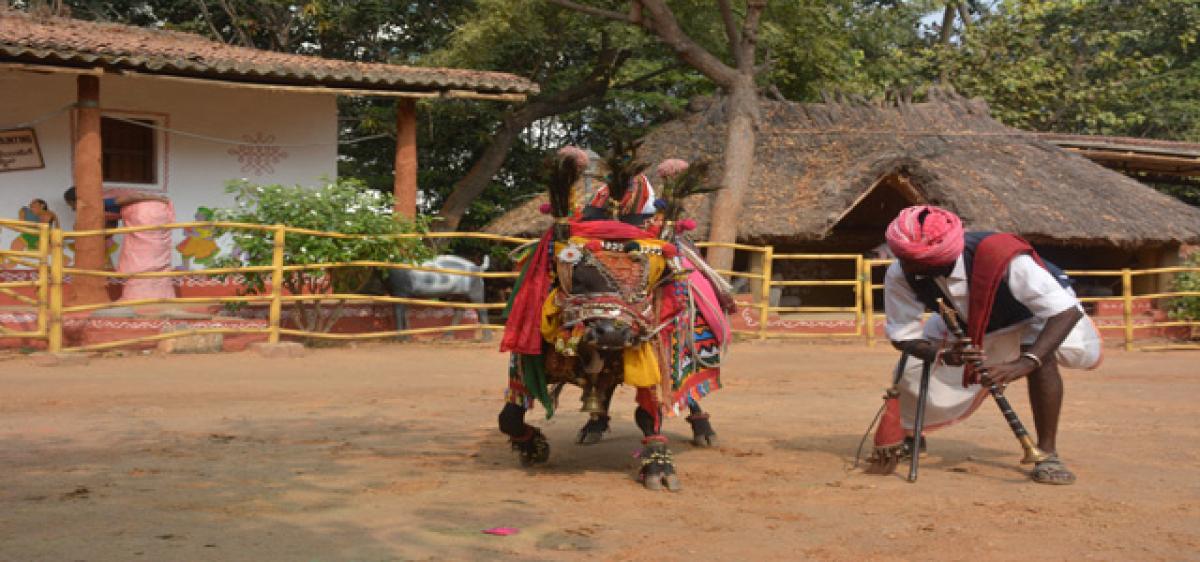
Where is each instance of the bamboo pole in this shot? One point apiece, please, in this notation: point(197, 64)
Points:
point(764, 313)
point(276, 312)
point(43, 284)
point(1127, 296)
point(54, 339)
point(858, 295)
point(869, 301)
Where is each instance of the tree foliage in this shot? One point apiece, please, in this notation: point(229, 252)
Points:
point(1186, 307)
point(1085, 66)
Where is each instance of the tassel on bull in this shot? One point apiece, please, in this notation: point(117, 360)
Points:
point(563, 170)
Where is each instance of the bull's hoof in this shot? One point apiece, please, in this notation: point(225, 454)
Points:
point(703, 434)
point(658, 470)
point(593, 431)
point(533, 448)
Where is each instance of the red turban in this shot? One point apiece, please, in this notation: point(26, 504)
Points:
point(926, 235)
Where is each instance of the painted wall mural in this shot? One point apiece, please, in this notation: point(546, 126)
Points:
point(259, 155)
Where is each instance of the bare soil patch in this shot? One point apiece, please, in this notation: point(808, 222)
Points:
point(390, 452)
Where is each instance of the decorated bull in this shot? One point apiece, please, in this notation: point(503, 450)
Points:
point(611, 294)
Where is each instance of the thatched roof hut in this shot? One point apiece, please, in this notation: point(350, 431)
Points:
point(834, 174)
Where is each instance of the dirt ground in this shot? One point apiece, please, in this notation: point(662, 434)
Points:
point(390, 452)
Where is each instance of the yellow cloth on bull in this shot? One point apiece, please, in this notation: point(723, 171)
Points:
point(551, 319)
point(641, 366)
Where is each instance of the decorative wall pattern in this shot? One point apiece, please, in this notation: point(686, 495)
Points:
point(259, 155)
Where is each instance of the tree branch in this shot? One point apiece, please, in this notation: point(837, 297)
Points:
point(754, 11)
point(666, 27)
point(631, 84)
point(233, 22)
point(203, 4)
point(731, 31)
point(592, 11)
point(947, 23)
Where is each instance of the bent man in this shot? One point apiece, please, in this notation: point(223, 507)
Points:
point(1017, 308)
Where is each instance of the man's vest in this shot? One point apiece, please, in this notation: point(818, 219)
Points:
point(1006, 310)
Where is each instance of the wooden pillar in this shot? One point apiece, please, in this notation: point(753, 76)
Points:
point(405, 184)
point(89, 180)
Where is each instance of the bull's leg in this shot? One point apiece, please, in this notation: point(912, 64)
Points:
point(527, 440)
point(593, 431)
point(401, 313)
point(478, 297)
point(658, 468)
point(703, 434)
point(454, 321)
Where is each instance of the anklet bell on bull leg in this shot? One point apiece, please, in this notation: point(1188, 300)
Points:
point(658, 466)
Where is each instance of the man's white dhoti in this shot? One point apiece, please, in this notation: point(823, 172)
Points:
point(950, 403)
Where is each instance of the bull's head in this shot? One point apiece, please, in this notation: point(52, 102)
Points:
point(607, 291)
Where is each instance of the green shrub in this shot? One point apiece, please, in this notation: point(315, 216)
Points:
point(1188, 307)
point(345, 206)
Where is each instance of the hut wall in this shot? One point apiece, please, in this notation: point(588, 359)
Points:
point(290, 138)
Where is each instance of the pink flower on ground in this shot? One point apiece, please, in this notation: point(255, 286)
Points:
point(544, 208)
point(671, 167)
point(574, 154)
point(686, 225)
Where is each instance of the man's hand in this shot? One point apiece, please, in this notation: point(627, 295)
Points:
point(960, 354)
point(1006, 373)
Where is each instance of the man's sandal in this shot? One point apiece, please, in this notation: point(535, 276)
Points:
point(1052, 471)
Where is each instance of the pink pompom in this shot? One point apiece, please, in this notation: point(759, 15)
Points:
point(574, 154)
point(685, 225)
point(594, 246)
point(671, 167)
point(669, 250)
point(544, 208)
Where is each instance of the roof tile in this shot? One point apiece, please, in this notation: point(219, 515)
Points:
point(71, 42)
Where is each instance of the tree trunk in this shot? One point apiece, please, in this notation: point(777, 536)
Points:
point(480, 175)
point(742, 116)
point(588, 91)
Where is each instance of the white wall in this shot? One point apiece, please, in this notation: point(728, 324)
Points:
point(194, 170)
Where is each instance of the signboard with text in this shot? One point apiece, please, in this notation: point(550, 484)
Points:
point(19, 150)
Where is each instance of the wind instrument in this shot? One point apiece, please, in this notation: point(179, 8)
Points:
point(1032, 453)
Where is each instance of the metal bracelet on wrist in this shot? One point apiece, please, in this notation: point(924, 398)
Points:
point(1030, 356)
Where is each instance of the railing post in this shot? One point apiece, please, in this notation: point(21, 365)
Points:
point(43, 286)
point(276, 312)
point(1127, 297)
point(764, 311)
point(54, 335)
point(868, 298)
point(858, 295)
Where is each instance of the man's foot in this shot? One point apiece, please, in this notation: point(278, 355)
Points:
point(1052, 471)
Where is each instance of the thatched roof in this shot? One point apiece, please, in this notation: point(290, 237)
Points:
point(817, 162)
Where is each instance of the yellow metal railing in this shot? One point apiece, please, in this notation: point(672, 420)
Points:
point(274, 297)
point(1127, 297)
point(35, 258)
point(48, 260)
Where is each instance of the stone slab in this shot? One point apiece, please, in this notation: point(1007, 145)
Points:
point(58, 359)
point(281, 349)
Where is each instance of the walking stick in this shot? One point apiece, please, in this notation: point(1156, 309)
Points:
point(919, 422)
point(1032, 453)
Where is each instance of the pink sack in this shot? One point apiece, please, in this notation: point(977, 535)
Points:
point(147, 251)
